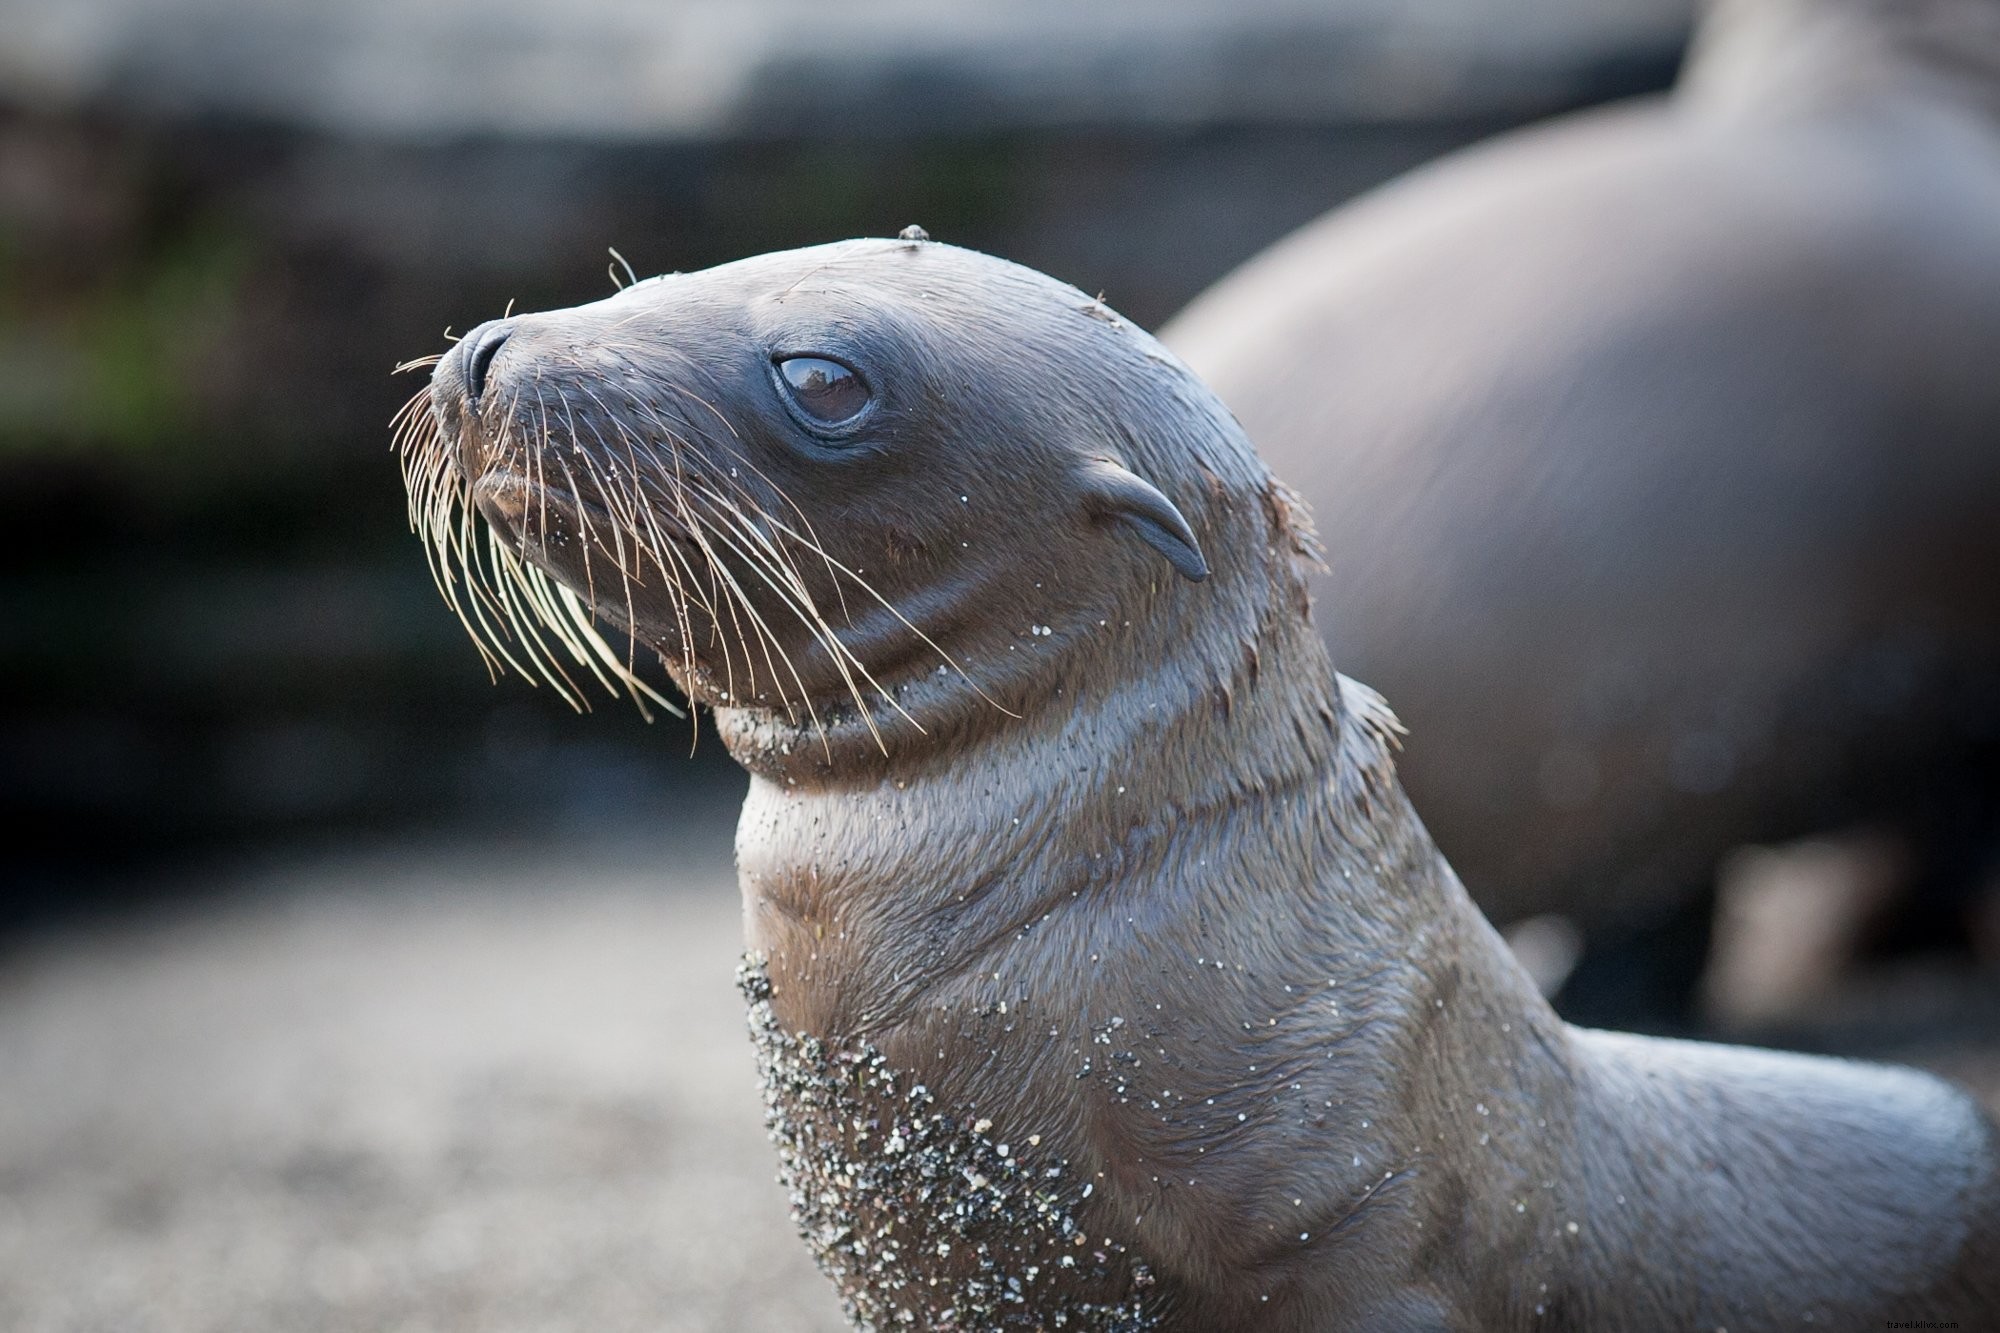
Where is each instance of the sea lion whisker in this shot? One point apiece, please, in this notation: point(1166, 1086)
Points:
point(520, 603)
point(457, 534)
point(512, 588)
point(699, 485)
point(537, 592)
point(453, 536)
point(576, 629)
point(627, 672)
point(438, 494)
point(869, 588)
point(809, 273)
point(666, 554)
point(492, 589)
point(555, 607)
point(687, 590)
point(690, 515)
point(652, 540)
point(768, 641)
point(810, 541)
point(736, 483)
point(798, 597)
point(675, 563)
point(530, 457)
point(414, 427)
point(641, 463)
point(623, 525)
point(415, 408)
point(622, 500)
point(499, 588)
point(645, 460)
point(775, 563)
point(587, 534)
point(538, 466)
point(612, 269)
point(711, 533)
point(424, 473)
point(839, 654)
point(417, 443)
point(446, 573)
point(622, 506)
point(740, 604)
point(684, 596)
point(438, 556)
point(714, 472)
point(747, 526)
point(682, 449)
point(628, 503)
point(724, 592)
point(535, 604)
point(711, 598)
point(434, 489)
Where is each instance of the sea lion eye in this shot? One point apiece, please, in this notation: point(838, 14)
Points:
point(826, 391)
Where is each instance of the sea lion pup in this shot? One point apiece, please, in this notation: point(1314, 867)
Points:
point(1102, 976)
point(1655, 452)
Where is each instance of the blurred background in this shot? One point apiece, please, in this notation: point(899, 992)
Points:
point(222, 224)
point(341, 988)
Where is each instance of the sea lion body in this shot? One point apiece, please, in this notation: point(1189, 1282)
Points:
point(1656, 451)
point(1101, 974)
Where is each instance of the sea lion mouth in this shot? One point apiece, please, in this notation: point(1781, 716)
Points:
point(490, 539)
point(546, 521)
point(528, 512)
point(639, 581)
point(680, 565)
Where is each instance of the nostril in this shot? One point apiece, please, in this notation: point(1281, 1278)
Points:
point(486, 341)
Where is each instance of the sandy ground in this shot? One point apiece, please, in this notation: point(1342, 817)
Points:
point(455, 1091)
point(401, 1096)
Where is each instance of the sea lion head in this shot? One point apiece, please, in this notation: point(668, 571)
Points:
point(861, 487)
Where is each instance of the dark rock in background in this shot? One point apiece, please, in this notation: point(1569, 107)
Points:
point(221, 227)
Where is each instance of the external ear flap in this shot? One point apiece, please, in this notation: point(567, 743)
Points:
point(1116, 493)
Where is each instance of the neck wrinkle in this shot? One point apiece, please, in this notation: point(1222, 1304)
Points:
point(1007, 825)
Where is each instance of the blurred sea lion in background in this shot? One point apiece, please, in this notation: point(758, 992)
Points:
point(1656, 451)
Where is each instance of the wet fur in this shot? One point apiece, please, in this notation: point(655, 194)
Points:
point(1124, 879)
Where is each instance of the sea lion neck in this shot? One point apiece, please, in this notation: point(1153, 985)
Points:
point(874, 897)
point(1293, 918)
point(1209, 829)
point(996, 804)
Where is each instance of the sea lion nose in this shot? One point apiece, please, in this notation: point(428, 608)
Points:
point(481, 345)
